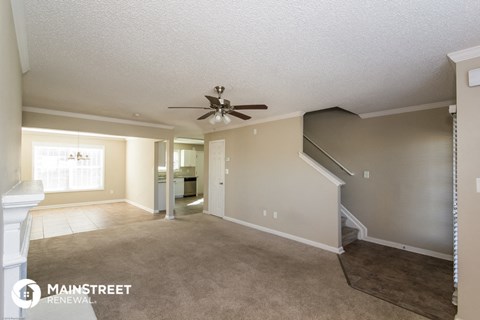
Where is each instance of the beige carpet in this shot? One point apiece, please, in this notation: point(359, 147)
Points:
point(201, 267)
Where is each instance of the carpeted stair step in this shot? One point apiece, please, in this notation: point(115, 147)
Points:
point(349, 235)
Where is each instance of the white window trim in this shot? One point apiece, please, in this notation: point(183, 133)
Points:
point(71, 145)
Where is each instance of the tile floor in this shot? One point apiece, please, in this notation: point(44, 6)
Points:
point(410, 280)
point(59, 222)
point(188, 205)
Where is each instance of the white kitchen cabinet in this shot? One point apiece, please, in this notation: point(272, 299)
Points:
point(188, 158)
point(161, 203)
point(179, 187)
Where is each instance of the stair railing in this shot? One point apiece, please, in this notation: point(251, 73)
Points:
point(329, 156)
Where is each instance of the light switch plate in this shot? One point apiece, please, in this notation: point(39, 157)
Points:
point(366, 174)
point(478, 185)
point(474, 77)
point(226, 171)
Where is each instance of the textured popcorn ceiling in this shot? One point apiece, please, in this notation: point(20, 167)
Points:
point(119, 57)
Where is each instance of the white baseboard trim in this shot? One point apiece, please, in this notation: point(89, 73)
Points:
point(457, 318)
point(410, 248)
point(287, 235)
point(362, 229)
point(139, 206)
point(206, 212)
point(78, 204)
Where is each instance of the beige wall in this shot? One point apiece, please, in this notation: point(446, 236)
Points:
point(143, 196)
point(408, 198)
point(114, 167)
point(141, 172)
point(267, 173)
point(10, 112)
point(468, 120)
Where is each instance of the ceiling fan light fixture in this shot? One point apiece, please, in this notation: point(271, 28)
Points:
point(212, 120)
point(226, 119)
point(218, 117)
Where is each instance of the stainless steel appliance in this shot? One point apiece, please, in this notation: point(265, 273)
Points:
point(190, 187)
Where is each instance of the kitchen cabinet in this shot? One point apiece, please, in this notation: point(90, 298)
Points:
point(179, 187)
point(188, 158)
point(161, 198)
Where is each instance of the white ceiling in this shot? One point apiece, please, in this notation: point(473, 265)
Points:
point(119, 57)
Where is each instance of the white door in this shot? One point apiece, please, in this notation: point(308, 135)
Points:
point(216, 177)
point(199, 172)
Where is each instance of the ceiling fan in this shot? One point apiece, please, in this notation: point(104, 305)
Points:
point(221, 108)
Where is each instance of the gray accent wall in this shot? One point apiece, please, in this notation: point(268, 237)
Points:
point(408, 197)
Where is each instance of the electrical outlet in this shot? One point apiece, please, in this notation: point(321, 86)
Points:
point(264, 213)
point(366, 174)
point(226, 171)
point(254, 132)
point(275, 215)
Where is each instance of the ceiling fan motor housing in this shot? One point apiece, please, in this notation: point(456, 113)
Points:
point(219, 90)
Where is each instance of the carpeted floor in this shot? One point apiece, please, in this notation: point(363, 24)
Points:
point(202, 267)
point(413, 281)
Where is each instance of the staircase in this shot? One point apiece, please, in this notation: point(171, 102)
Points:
point(349, 234)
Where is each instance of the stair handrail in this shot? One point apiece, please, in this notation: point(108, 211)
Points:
point(329, 156)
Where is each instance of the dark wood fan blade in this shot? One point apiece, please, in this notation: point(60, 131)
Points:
point(239, 115)
point(213, 100)
point(206, 115)
point(251, 107)
point(189, 108)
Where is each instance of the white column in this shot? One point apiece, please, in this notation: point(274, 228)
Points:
point(16, 203)
point(170, 188)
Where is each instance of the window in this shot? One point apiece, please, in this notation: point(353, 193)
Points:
point(176, 160)
point(58, 174)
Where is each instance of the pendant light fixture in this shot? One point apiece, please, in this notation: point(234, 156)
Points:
point(78, 156)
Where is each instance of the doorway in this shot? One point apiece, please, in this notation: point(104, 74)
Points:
point(216, 178)
point(188, 175)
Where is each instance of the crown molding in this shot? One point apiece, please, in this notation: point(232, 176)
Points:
point(465, 54)
point(96, 118)
point(18, 12)
point(419, 107)
point(188, 141)
point(73, 133)
point(260, 121)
